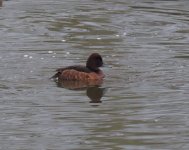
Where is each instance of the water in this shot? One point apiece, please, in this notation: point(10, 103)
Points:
point(143, 101)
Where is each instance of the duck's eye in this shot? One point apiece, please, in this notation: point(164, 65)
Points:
point(99, 59)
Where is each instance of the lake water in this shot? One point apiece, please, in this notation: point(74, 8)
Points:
point(142, 104)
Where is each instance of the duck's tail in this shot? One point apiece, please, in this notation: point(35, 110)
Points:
point(55, 76)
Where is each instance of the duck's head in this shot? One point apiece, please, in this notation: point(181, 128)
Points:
point(94, 62)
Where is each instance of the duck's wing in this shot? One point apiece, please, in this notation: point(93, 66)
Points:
point(76, 68)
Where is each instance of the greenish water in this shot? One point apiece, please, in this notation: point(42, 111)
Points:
point(142, 103)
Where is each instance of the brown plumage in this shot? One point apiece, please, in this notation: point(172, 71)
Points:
point(82, 73)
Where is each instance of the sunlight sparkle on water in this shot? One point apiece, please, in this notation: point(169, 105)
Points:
point(67, 53)
point(25, 56)
point(50, 52)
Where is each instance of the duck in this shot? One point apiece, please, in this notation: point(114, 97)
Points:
point(89, 72)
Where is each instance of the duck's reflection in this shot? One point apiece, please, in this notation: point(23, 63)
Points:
point(95, 93)
point(93, 89)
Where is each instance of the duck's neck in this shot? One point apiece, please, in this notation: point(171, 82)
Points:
point(93, 69)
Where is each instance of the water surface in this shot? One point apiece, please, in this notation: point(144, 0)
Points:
point(143, 101)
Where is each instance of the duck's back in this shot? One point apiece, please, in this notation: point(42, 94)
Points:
point(75, 67)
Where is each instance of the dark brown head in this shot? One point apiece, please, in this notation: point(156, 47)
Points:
point(94, 62)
